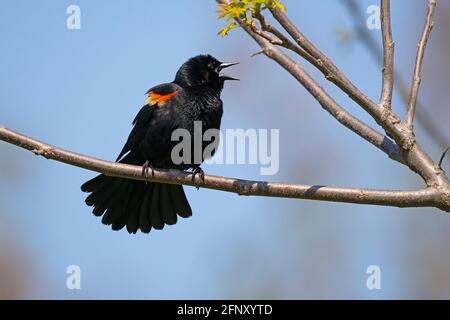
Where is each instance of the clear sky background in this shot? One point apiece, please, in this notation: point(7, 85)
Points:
point(80, 90)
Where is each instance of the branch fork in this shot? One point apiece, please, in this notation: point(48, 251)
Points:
point(404, 148)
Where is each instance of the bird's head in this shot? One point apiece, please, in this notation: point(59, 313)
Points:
point(203, 70)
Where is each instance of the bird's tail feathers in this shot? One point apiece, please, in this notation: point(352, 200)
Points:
point(135, 204)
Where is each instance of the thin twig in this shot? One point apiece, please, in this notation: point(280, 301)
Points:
point(285, 42)
point(420, 198)
point(266, 36)
point(410, 111)
point(442, 157)
point(256, 53)
point(388, 55)
point(326, 101)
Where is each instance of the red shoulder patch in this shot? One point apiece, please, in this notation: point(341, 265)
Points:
point(159, 99)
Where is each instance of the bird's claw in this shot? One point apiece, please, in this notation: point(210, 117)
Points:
point(145, 168)
point(198, 171)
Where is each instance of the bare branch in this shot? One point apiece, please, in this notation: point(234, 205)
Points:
point(329, 104)
point(388, 55)
point(285, 42)
point(436, 194)
point(266, 36)
point(420, 198)
point(328, 68)
point(409, 121)
point(416, 158)
point(326, 101)
point(387, 119)
point(423, 116)
point(412, 154)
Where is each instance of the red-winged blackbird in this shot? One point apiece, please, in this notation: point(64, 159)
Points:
point(194, 95)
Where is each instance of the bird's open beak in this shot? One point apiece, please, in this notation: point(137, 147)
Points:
point(225, 77)
point(224, 65)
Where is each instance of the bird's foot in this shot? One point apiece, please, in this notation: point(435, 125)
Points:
point(146, 167)
point(198, 171)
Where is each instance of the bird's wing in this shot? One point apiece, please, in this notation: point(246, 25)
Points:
point(157, 97)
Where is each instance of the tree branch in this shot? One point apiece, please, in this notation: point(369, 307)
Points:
point(412, 154)
point(388, 55)
point(418, 67)
point(441, 159)
point(266, 36)
point(328, 68)
point(416, 158)
point(406, 151)
point(284, 41)
point(329, 104)
point(326, 101)
point(420, 198)
point(387, 119)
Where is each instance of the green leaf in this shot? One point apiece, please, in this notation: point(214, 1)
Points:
point(244, 10)
point(227, 29)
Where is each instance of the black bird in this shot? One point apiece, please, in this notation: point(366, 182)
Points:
point(194, 95)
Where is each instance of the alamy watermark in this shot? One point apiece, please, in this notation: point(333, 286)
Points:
point(73, 281)
point(250, 146)
point(374, 279)
point(373, 21)
point(73, 21)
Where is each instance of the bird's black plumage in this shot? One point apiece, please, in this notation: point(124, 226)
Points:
point(194, 95)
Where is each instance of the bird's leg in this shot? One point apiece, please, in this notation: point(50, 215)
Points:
point(201, 173)
point(145, 168)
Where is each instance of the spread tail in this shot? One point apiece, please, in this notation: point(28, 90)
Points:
point(135, 204)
